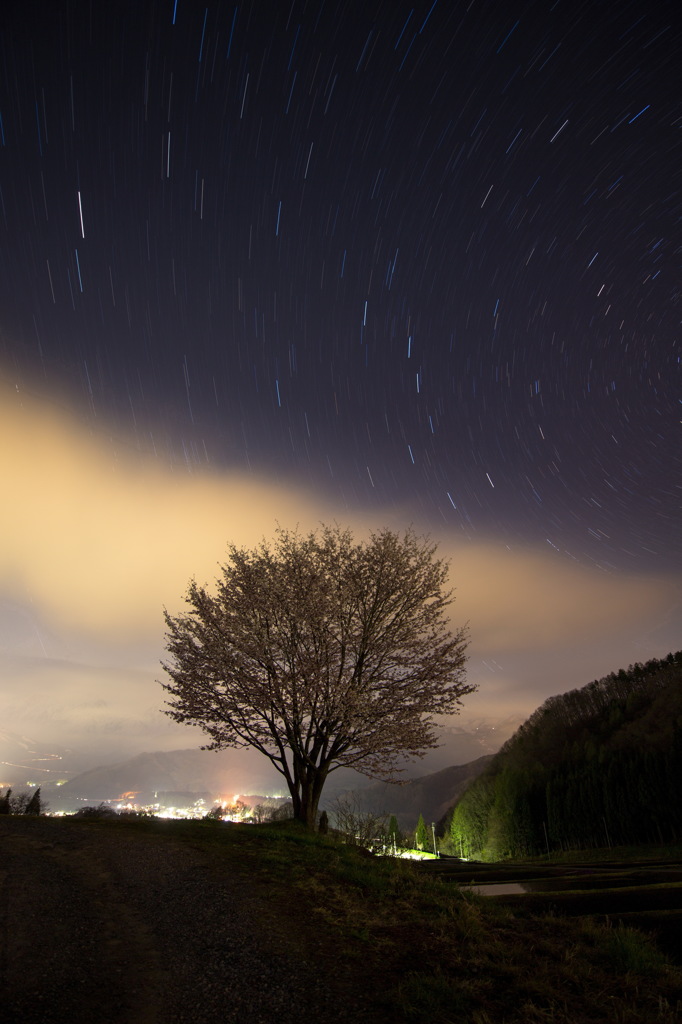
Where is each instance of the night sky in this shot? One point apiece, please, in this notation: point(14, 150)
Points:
point(387, 263)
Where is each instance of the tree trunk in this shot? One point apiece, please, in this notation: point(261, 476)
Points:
point(306, 794)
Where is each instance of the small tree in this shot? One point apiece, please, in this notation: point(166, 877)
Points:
point(215, 814)
point(260, 813)
point(421, 835)
point(321, 653)
point(360, 828)
point(5, 807)
point(283, 811)
point(394, 834)
point(33, 806)
point(19, 802)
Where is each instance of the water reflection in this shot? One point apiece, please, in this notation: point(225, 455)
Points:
point(498, 888)
point(569, 883)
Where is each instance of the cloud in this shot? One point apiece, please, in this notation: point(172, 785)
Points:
point(102, 538)
point(528, 599)
point(97, 539)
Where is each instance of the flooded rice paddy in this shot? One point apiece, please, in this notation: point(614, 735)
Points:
point(640, 894)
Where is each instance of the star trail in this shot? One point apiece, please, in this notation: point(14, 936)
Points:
point(394, 250)
point(411, 256)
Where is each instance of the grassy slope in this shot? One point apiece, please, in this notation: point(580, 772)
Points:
point(423, 949)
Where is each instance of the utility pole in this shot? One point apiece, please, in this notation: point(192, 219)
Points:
point(433, 833)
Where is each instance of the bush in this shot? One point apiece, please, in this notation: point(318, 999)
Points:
point(359, 828)
point(101, 811)
point(284, 812)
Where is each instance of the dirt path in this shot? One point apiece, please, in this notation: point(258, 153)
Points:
point(112, 928)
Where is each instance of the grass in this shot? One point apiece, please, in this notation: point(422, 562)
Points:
point(421, 948)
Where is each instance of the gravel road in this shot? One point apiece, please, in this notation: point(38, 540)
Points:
point(103, 927)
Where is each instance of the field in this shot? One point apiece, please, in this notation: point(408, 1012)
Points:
point(637, 887)
point(143, 920)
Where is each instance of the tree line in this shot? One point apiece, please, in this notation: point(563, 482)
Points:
point(22, 803)
point(598, 766)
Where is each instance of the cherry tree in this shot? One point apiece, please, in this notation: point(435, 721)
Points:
point(322, 653)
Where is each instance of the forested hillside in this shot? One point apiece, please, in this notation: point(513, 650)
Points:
point(594, 767)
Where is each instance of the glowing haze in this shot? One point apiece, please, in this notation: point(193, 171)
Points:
point(98, 539)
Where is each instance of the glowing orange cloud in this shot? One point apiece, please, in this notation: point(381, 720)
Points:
point(100, 538)
point(529, 599)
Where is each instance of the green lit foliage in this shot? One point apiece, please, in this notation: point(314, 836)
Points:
point(469, 823)
point(421, 835)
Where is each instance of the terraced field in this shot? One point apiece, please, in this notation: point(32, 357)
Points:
point(644, 894)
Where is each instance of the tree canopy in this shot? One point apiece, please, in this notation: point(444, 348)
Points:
point(321, 652)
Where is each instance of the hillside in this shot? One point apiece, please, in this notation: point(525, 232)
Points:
point(431, 795)
point(127, 921)
point(593, 767)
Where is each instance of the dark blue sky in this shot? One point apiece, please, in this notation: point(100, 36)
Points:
point(420, 253)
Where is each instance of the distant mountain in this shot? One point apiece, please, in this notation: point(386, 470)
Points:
point(430, 795)
point(179, 777)
point(166, 775)
point(30, 761)
point(199, 773)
